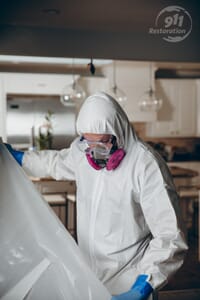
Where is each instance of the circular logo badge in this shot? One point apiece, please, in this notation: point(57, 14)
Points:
point(173, 23)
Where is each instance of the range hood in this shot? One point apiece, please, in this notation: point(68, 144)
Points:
point(177, 73)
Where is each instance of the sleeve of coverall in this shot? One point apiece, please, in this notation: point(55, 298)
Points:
point(159, 202)
point(49, 163)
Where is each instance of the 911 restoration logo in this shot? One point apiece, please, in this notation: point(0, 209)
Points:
point(173, 24)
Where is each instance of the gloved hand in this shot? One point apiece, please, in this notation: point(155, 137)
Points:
point(18, 155)
point(139, 291)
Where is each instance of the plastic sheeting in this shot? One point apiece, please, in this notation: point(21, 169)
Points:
point(38, 257)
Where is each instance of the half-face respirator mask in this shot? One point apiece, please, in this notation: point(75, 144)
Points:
point(102, 154)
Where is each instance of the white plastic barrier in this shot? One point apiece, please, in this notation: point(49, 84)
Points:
point(39, 260)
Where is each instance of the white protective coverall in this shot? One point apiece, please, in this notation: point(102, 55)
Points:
point(127, 219)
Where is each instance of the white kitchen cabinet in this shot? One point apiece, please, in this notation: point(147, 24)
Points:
point(41, 84)
point(49, 84)
point(177, 117)
point(198, 107)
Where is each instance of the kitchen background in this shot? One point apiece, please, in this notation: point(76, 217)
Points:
point(45, 46)
point(174, 130)
point(34, 117)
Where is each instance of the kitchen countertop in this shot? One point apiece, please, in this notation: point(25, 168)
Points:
point(49, 185)
point(182, 172)
point(41, 179)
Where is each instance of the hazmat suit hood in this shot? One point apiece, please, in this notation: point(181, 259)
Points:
point(101, 114)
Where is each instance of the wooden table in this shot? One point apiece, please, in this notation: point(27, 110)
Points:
point(61, 196)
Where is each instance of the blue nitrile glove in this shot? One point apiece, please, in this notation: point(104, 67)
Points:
point(18, 155)
point(139, 291)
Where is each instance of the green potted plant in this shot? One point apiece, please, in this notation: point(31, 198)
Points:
point(45, 138)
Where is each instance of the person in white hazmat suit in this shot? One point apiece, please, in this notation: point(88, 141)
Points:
point(128, 223)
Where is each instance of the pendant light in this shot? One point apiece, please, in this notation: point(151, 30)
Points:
point(72, 92)
point(114, 91)
point(149, 101)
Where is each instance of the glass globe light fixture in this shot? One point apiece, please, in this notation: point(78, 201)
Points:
point(72, 93)
point(116, 92)
point(149, 101)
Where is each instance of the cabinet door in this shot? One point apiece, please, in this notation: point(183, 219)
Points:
point(198, 107)
point(41, 84)
point(158, 129)
point(177, 117)
point(187, 105)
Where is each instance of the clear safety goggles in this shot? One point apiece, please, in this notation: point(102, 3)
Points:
point(100, 147)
